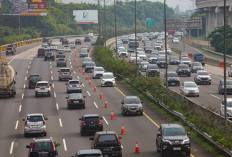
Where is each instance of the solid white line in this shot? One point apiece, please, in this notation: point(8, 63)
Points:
point(24, 86)
point(78, 77)
point(57, 106)
point(55, 94)
point(105, 120)
point(215, 96)
point(16, 125)
point(88, 93)
point(11, 147)
point(53, 85)
point(95, 104)
point(30, 62)
point(51, 77)
point(60, 123)
point(12, 59)
point(83, 84)
point(22, 95)
point(65, 147)
point(20, 108)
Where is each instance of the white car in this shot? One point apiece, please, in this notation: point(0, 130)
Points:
point(42, 88)
point(175, 41)
point(53, 46)
point(189, 88)
point(132, 57)
point(123, 53)
point(169, 51)
point(202, 77)
point(98, 72)
point(185, 60)
point(158, 46)
point(67, 48)
point(108, 79)
point(161, 54)
point(72, 45)
point(230, 71)
point(142, 55)
point(229, 108)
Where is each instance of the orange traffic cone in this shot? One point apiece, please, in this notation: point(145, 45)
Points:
point(112, 115)
point(87, 77)
point(83, 73)
point(136, 147)
point(79, 69)
point(90, 82)
point(106, 104)
point(95, 89)
point(101, 96)
point(76, 63)
point(75, 59)
point(77, 66)
point(122, 130)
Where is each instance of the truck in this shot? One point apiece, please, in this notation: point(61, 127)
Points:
point(199, 57)
point(7, 80)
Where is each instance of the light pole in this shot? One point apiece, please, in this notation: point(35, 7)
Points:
point(115, 29)
point(99, 24)
point(105, 23)
point(184, 33)
point(136, 66)
point(165, 44)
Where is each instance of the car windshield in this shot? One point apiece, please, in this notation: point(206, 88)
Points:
point(152, 66)
point(87, 59)
point(227, 82)
point(172, 75)
point(161, 59)
point(196, 64)
point(49, 53)
point(174, 58)
point(32, 77)
point(203, 73)
point(108, 76)
point(91, 119)
point(89, 155)
point(98, 69)
point(133, 55)
point(153, 55)
point(107, 138)
point(65, 70)
point(45, 146)
point(75, 96)
point(185, 59)
point(73, 82)
point(34, 118)
point(190, 84)
point(90, 64)
point(174, 132)
point(229, 103)
point(83, 51)
point(42, 84)
point(132, 101)
point(61, 59)
point(184, 67)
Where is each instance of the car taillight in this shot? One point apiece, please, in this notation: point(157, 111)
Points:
point(40, 79)
point(119, 143)
point(69, 100)
point(25, 122)
point(68, 83)
point(32, 147)
point(47, 86)
point(83, 100)
point(53, 146)
point(61, 72)
point(100, 122)
point(37, 87)
point(43, 122)
point(70, 72)
point(83, 123)
point(95, 142)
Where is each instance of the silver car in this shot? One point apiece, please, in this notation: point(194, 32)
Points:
point(189, 88)
point(65, 74)
point(131, 105)
point(74, 86)
point(196, 66)
point(35, 123)
point(85, 60)
point(98, 72)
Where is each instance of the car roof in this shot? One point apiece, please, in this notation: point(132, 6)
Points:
point(34, 114)
point(91, 115)
point(42, 82)
point(131, 97)
point(105, 132)
point(75, 94)
point(89, 151)
point(188, 82)
point(202, 71)
point(171, 126)
point(73, 80)
point(43, 140)
point(65, 68)
point(106, 73)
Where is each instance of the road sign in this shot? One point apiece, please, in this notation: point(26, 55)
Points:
point(150, 22)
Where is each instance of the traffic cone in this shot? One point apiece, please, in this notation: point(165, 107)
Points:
point(83, 72)
point(106, 104)
point(95, 89)
point(86, 77)
point(79, 69)
point(136, 147)
point(112, 115)
point(75, 59)
point(90, 82)
point(122, 130)
point(77, 66)
point(101, 96)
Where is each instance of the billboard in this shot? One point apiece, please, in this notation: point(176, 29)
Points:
point(86, 16)
point(37, 5)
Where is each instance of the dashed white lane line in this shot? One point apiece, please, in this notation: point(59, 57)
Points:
point(78, 77)
point(95, 104)
point(51, 77)
point(12, 59)
point(50, 66)
point(24, 86)
point(20, 108)
point(53, 85)
point(55, 94)
point(22, 95)
point(16, 125)
point(70, 62)
point(50, 63)
point(25, 78)
point(65, 147)
point(105, 120)
point(30, 61)
point(60, 123)
point(121, 146)
point(57, 106)
point(215, 96)
point(28, 67)
point(27, 71)
point(83, 84)
point(51, 72)
point(71, 67)
point(88, 93)
point(11, 147)
point(74, 72)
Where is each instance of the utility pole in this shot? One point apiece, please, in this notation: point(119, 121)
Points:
point(19, 25)
point(99, 24)
point(115, 28)
point(165, 43)
point(184, 33)
point(136, 55)
point(105, 23)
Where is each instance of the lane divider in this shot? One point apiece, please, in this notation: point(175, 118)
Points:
point(11, 147)
point(64, 143)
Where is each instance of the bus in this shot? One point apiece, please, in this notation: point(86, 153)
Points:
point(171, 34)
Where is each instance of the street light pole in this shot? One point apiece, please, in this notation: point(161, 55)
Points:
point(99, 24)
point(115, 28)
point(105, 23)
point(165, 43)
point(184, 33)
point(136, 55)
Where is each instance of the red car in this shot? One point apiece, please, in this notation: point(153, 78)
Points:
point(41, 52)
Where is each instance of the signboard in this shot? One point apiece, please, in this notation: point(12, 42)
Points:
point(34, 14)
point(37, 5)
point(194, 23)
point(13, 7)
point(86, 16)
point(150, 22)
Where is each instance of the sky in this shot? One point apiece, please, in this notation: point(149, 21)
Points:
point(183, 4)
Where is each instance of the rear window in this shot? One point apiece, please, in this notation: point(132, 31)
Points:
point(61, 59)
point(41, 50)
point(65, 70)
point(45, 146)
point(107, 138)
point(90, 155)
point(34, 77)
point(42, 84)
point(34, 118)
point(75, 96)
point(83, 51)
point(132, 101)
point(91, 119)
point(74, 82)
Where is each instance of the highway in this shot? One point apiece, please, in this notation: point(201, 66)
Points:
point(63, 124)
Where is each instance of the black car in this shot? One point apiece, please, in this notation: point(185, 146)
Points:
point(62, 39)
point(173, 79)
point(108, 142)
point(10, 50)
point(183, 70)
point(90, 123)
point(161, 62)
point(65, 42)
point(49, 55)
point(75, 100)
point(87, 39)
point(32, 80)
point(174, 60)
point(59, 55)
point(89, 66)
point(61, 62)
point(78, 42)
point(88, 153)
point(43, 147)
point(172, 139)
point(83, 52)
point(152, 70)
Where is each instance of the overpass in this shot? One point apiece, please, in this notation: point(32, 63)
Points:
point(214, 13)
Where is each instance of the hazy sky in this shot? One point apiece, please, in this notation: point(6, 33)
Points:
point(183, 4)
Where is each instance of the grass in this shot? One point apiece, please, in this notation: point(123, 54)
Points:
point(194, 135)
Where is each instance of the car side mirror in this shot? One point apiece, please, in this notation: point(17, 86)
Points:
point(23, 119)
point(101, 118)
point(58, 71)
point(158, 133)
point(66, 97)
point(120, 137)
point(16, 73)
point(80, 118)
point(27, 146)
point(57, 145)
point(91, 138)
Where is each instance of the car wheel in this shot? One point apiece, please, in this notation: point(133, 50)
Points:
point(82, 133)
point(49, 94)
point(45, 134)
point(120, 155)
point(36, 94)
point(123, 113)
point(68, 107)
point(198, 95)
point(210, 83)
point(141, 113)
point(26, 135)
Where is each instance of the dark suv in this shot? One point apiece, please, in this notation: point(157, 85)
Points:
point(89, 66)
point(108, 142)
point(11, 50)
point(132, 105)
point(228, 87)
point(172, 138)
point(41, 52)
point(78, 42)
point(49, 55)
point(32, 80)
point(90, 123)
point(87, 39)
point(43, 147)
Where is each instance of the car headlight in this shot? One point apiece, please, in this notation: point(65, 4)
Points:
point(167, 141)
point(186, 90)
point(186, 141)
point(43, 127)
point(140, 107)
point(103, 81)
point(197, 90)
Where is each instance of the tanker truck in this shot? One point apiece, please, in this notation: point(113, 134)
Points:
point(7, 80)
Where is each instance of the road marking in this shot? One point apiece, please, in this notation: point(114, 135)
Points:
point(88, 93)
point(162, 72)
point(27, 71)
point(51, 72)
point(105, 120)
point(30, 61)
point(28, 67)
point(95, 104)
point(25, 78)
point(70, 62)
point(71, 67)
point(83, 85)
point(22, 95)
point(20, 108)
point(51, 77)
point(57, 106)
point(151, 120)
point(65, 147)
point(55, 94)
point(24, 86)
point(16, 125)
point(121, 146)
point(215, 96)
point(11, 147)
point(12, 59)
point(78, 77)
point(60, 123)
point(119, 91)
point(74, 72)
point(50, 66)
point(53, 85)
point(50, 63)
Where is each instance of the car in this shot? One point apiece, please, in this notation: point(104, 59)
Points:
point(169, 51)
point(49, 55)
point(173, 79)
point(186, 60)
point(143, 66)
point(108, 142)
point(123, 53)
point(161, 62)
point(75, 100)
point(45, 45)
point(230, 71)
point(88, 153)
point(175, 41)
point(35, 123)
point(228, 87)
point(148, 49)
point(10, 50)
point(62, 38)
point(65, 42)
point(89, 67)
point(183, 70)
point(158, 46)
point(86, 47)
point(202, 77)
point(72, 45)
point(108, 79)
point(61, 62)
point(65, 74)
point(43, 147)
point(229, 108)
point(33, 79)
point(93, 42)
point(42, 88)
point(98, 72)
point(173, 60)
point(161, 54)
point(67, 48)
point(172, 139)
point(142, 55)
point(47, 40)
point(85, 60)
point(132, 57)
point(60, 54)
point(189, 88)
point(41, 52)
point(78, 42)
point(131, 105)
point(90, 123)
point(83, 52)
point(53, 46)
point(153, 58)
point(152, 70)
point(74, 86)
point(183, 54)
point(87, 39)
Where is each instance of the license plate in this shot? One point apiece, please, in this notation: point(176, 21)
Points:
point(176, 148)
point(76, 101)
point(172, 83)
point(42, 88)
point(74, 86)
point(107, 149)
